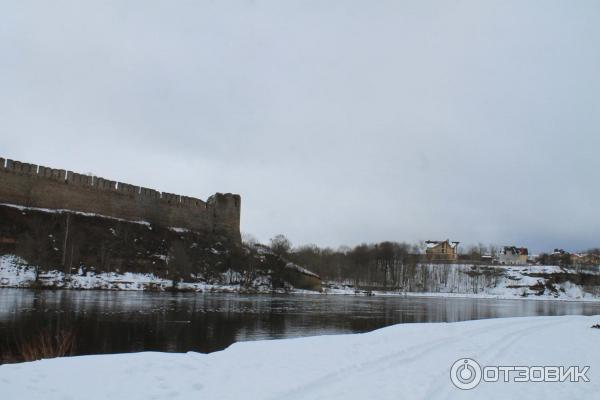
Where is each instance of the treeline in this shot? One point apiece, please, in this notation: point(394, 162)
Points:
point(383, 265)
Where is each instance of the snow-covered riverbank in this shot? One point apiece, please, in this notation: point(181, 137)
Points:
point(409, 361)
point(540, 282)
point(15, 273)
point(537, 282)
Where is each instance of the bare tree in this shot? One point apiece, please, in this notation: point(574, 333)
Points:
point(280, 245)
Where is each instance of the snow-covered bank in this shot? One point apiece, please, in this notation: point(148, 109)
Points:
point(538, 282)
point(14, 272)
point(409, 361)
point(541, 282)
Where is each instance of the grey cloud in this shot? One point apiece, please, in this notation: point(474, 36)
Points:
point(338, 122)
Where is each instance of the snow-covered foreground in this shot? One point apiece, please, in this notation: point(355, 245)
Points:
point(410, 361)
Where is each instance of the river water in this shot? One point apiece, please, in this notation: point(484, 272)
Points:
point(117, 322)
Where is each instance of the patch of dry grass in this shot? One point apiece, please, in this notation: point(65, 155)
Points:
point(46, 345)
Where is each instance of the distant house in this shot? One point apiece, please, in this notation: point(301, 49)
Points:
point(576, 259)
point(441, 250)
point(512, 255)
point(557, 257)
point(585, 259)
point(487, 258)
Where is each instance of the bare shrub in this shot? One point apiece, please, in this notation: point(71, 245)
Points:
point(46, 345)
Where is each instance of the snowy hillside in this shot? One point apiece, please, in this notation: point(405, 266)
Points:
point(408, 361)
point(486, 281)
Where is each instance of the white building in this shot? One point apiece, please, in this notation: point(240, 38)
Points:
point(512, 255)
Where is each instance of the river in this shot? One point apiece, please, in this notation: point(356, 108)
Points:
point(118, 322)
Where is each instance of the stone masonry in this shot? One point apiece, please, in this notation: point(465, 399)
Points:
point(42, 187)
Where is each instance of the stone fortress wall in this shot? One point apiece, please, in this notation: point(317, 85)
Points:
point(38, 186)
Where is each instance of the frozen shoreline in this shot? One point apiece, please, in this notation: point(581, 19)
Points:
point(402, 361)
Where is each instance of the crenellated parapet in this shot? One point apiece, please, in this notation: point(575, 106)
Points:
point(39, 186)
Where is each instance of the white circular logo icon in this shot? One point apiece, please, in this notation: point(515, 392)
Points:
point(465, 373)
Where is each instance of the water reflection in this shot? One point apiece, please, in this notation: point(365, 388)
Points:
point(109, 322)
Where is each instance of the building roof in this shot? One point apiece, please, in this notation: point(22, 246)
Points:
point(434, 243)
point(514, 250)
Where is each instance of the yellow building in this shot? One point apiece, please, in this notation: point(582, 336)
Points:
point(441, 250)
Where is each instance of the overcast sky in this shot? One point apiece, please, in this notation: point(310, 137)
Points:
point(338, 122)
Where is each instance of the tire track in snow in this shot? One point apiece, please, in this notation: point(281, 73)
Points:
point(444, 388)
point(382, 363)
